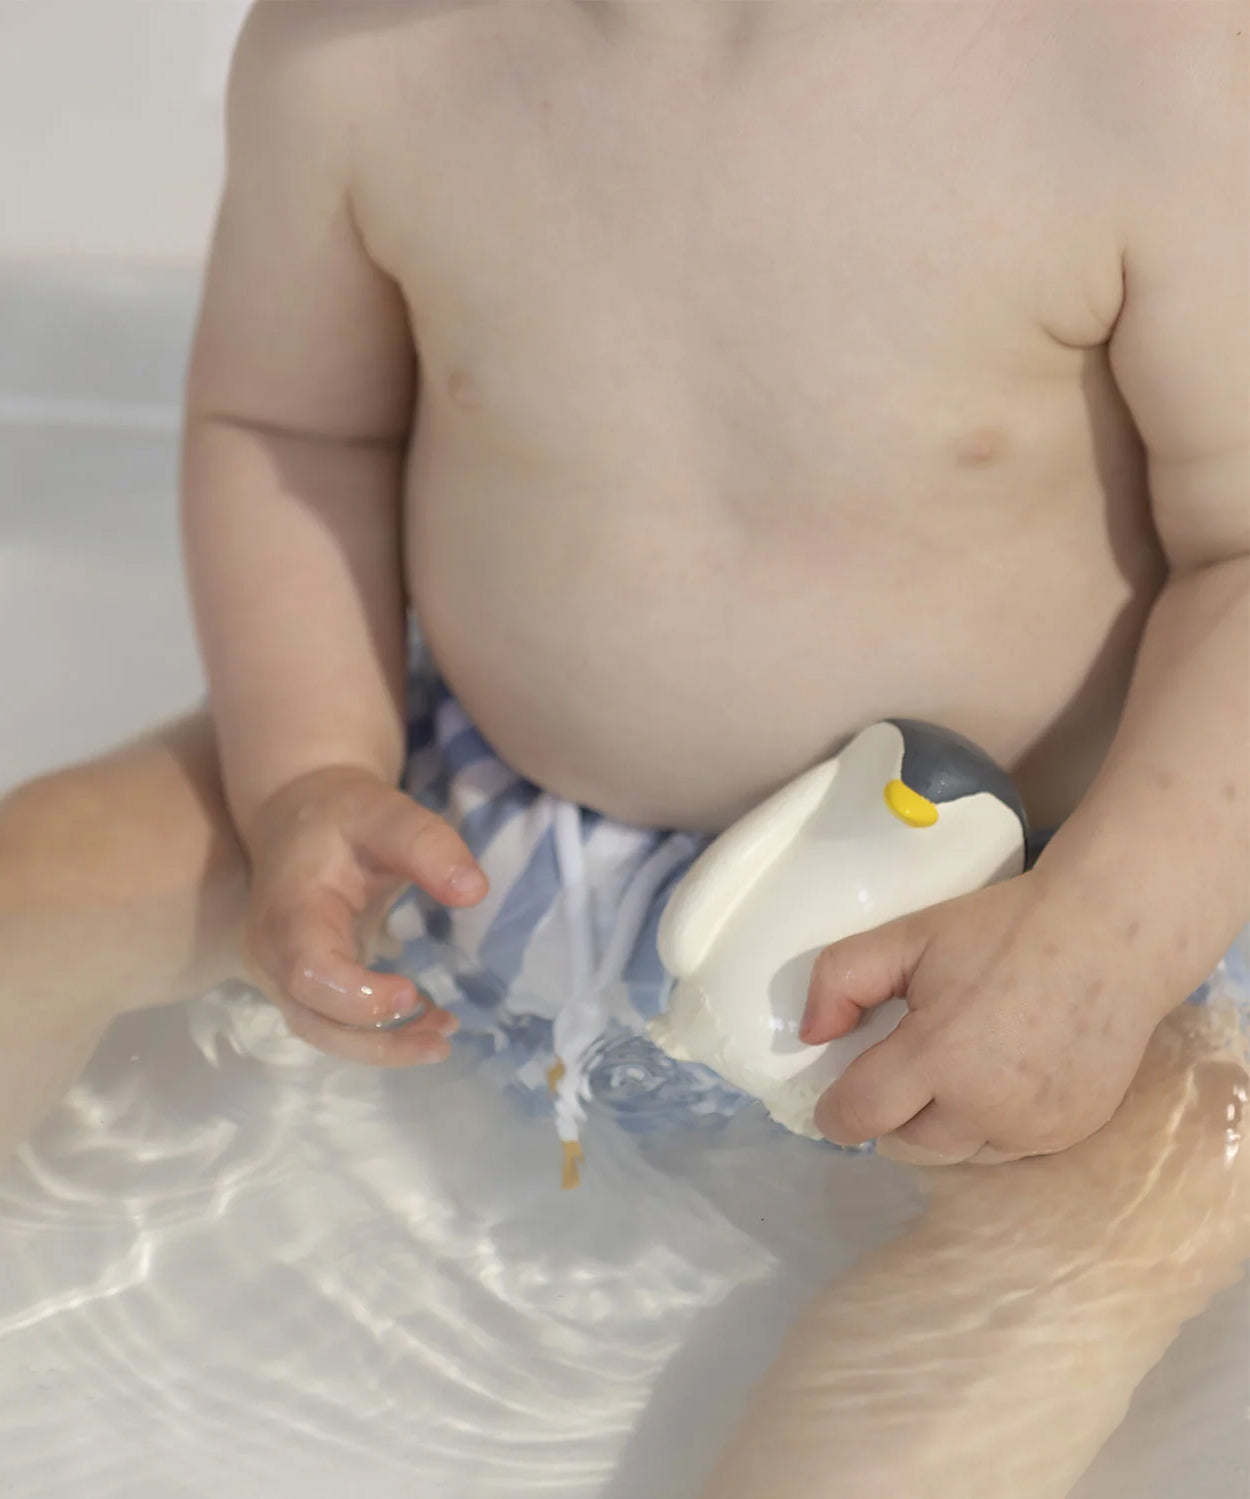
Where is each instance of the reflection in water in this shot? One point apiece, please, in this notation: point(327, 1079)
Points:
point(224, 1242)
point(231, 1265)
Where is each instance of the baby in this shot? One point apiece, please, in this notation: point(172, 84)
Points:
point(711, 380)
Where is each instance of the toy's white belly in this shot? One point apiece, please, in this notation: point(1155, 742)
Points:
point(821, 862)
point(761, 969)
point(740, 1013)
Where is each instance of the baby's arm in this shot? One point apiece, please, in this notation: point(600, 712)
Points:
point(300, 405)
point(1030, 1003)
point(1162, 840)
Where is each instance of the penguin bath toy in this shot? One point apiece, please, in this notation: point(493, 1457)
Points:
point(906, 816)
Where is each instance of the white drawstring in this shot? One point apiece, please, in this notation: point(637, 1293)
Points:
point(571, 863)
point(584, 1013)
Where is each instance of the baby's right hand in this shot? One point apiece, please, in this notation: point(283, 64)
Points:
point(328, 853)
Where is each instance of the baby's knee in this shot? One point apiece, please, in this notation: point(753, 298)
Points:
point(148, 820)
point(46, 817)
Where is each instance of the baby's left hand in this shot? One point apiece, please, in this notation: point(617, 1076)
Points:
point(1020, 1040)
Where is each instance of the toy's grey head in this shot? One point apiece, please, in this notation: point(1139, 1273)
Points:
point(941, 766)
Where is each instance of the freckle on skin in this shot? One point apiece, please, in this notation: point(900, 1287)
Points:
point(462, 388)
point(1230, 793)
point(1131, 931)
point(1051, 949)
point(1163, 780)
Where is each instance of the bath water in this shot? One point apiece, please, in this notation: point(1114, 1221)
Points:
point(231, 1266)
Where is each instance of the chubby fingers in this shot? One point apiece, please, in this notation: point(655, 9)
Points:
point(878, 1093)
point(404, 839)
point(413, 1045)
point(885, 1095)
point(307, 951)
point(934, 1137)
point(859, 973)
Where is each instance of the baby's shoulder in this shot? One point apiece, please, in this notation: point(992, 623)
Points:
point(1173, 71)
point(314, 76)
point(1155, 95)
point(342, 40)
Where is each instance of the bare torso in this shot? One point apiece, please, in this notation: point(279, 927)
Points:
point(763, 382)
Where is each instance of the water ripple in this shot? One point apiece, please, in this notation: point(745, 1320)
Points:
point(231, 1265)
point(227, 1250)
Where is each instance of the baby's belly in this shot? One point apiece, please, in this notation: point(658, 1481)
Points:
point(669, 663)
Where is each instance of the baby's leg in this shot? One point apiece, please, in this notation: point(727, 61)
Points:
point(121, 886)
point(993, 1349)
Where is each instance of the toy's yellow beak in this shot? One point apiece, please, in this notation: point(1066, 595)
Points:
point(909, 806)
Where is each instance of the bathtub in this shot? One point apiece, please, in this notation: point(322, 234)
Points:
point(229, 1266)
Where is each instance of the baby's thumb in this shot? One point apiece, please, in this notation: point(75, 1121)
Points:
point(406, 840)
point(859, 972)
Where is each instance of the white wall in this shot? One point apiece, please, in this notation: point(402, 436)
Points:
point(110, 165)
point(110, 134)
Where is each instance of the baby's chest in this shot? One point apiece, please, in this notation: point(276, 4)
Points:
point(778, 275)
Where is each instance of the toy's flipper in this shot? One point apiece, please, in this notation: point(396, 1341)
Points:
point(722, 876)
